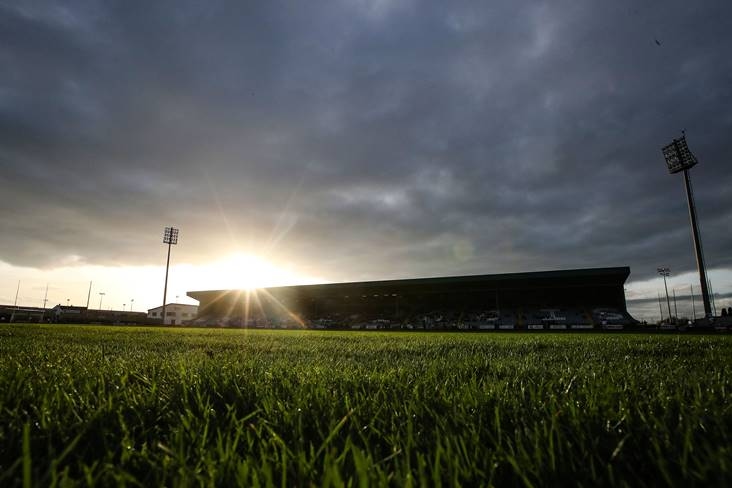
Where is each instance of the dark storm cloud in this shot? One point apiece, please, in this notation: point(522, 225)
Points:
point(364, 139)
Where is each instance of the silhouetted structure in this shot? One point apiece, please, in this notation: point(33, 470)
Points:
point(582, 298)
point(170, 237)
point(71, 315)
point(679, 158)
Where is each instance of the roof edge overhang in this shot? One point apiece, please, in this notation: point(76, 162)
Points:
point(616, 274)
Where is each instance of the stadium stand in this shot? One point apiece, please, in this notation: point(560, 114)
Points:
point(549, 300)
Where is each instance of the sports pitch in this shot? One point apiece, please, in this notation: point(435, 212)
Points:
point(153, 407)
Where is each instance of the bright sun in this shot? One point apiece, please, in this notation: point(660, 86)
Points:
point(247, 272)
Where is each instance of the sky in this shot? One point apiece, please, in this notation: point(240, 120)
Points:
point(302, 142)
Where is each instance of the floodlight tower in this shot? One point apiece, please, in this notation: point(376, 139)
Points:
point(663, 271)
point(170, 237)
point(679, 158)
point(45, 300)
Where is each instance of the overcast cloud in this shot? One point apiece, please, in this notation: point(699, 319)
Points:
point(365, 139)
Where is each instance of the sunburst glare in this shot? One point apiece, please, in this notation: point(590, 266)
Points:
point(244, 271)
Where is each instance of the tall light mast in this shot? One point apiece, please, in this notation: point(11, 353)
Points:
point(170, 237)
point(665, 272)
point(679, 159)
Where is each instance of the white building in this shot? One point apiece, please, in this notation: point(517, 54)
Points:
point(175, 313)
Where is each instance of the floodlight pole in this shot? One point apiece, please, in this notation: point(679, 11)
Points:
point(697, 245)
point(666, 272)
point(712, 303)
point(170, 237)
point(15, 305)
point(680, 159)
point(660, 307)
point(165, 289)
point(45, 300)
point(668, 302)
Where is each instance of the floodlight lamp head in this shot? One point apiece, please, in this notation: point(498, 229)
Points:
point(663, 271)
point(678, 156)
point(170, 236)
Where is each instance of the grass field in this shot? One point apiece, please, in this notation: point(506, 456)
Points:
point(151, 407)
